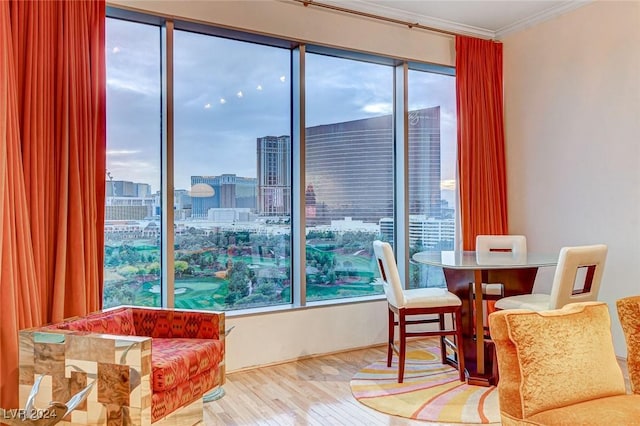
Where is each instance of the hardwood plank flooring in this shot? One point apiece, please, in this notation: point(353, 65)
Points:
point(313, 392)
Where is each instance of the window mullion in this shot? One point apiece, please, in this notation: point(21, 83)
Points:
point(167, 172)
point(298, 240)
point(401, 182)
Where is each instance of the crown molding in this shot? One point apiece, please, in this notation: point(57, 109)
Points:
point(456, 27)
point(538, 18)
point(428, 21)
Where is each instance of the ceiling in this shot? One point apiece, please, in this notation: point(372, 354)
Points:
point(480, 18)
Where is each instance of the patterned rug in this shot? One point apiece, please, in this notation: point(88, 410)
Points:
point(431, 391)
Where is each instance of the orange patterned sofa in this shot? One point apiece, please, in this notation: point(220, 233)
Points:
point(152, 365)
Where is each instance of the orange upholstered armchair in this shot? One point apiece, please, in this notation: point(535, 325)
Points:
point(629, 313)
point(559, 367)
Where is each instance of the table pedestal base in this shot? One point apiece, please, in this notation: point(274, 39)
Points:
point(515, 281)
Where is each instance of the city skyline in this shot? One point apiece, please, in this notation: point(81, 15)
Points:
point(339, 182)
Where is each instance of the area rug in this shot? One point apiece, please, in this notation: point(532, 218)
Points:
point(431, 391)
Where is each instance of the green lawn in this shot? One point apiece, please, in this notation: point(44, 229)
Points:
point(201, 293)
point(353, 274)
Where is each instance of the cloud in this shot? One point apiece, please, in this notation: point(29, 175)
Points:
point(381, 108)
point(341, 90)
point(138, 171)
point(117, 152)
point(448, 184)
point(133, 55)
point(130, 85)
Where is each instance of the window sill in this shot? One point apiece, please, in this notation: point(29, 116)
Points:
point(241, 313)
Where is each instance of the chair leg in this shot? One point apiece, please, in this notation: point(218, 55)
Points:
point(403, 345)
point(443, 346)
point(391, 336)
point(460, 344)
point(472, 306)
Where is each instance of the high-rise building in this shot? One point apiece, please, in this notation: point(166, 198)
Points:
point(424, 232)
point(181, 199)
point(127, 200)
point(387, 229)
point(274, 175)
point(246, 193)
point(181, 204)
point(227, 191)
point(128, 208)
point(350, 167)
point(430, 233)
point(310, 208)
point(123, 188)
point(205, 195)
point(424, 163)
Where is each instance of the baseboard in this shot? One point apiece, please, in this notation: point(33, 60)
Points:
point(304, 357)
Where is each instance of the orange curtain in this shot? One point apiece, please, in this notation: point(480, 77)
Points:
point(52, 168)
point(481, 158)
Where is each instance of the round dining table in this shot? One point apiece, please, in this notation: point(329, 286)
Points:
point(516, 272)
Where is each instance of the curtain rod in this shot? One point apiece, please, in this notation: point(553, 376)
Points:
point(373, 16)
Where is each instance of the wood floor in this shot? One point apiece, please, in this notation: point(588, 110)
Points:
point(313, 391)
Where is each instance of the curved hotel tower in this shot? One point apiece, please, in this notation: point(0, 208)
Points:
point(349, 168)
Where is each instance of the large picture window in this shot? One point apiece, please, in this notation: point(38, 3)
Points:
point(132, 226)
point(232, 173)
point(349, 173)
point(235, 187)
point(432, 159)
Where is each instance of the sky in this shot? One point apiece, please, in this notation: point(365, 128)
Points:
point(227, 93)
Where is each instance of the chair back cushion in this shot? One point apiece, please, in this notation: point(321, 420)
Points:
point(117, 321)
point(516, 244)
point(389, 273)
point(589, 259)
point(629, 313)
point(554, 358)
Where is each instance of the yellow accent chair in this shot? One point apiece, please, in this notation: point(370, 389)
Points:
point(558, 367)
point(629, 314)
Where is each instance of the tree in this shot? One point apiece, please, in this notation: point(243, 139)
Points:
point(127, 270)
point(118, 294)
point(153, 268)
point(239, 281)
point(181, 267)
point(267, 288)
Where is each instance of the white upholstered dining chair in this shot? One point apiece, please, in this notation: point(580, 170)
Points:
point(577, 279)
point(485, 245)
point(515, 245)
point(407, 304)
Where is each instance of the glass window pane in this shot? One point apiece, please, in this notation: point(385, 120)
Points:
point(349, 173)
point(132, 225)
point(232, 173)
point(432, 170)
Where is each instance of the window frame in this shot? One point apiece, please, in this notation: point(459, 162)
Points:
point(298, 50)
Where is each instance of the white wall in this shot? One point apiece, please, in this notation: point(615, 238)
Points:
point(283, 336)
point(572, 114)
